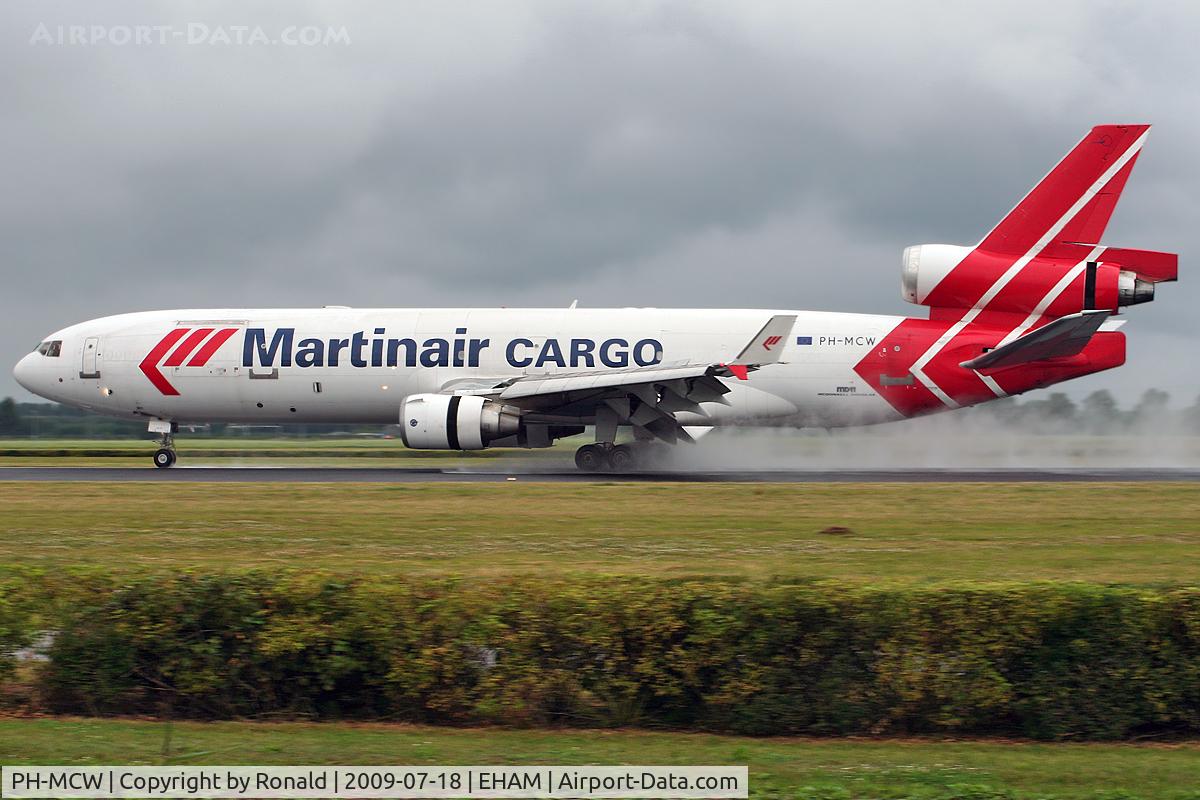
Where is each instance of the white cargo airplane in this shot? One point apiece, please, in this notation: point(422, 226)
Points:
point(1027, 307)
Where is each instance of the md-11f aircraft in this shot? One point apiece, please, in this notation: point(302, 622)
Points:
point(1030, 305)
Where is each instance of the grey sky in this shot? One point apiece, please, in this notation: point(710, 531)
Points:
point(672, 154)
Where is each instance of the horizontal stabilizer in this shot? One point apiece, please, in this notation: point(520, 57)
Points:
point(1065, 336)
point(1149, 265)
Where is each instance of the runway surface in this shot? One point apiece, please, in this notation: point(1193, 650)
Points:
point(486, 475)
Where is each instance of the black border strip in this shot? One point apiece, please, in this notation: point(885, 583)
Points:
point(452, 422)
point(1089, 286)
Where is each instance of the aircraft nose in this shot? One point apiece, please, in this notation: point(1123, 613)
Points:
point(24, 371)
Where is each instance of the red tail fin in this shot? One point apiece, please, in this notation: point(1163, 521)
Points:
point(1075, 201)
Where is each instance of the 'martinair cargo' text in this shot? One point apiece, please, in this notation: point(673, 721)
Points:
point(377, 350)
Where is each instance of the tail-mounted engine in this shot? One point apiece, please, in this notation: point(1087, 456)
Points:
point(455, 422)
point(953, 277)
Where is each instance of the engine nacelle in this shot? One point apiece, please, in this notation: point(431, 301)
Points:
point(455, 422)
point(923, 267)
point(926, 267)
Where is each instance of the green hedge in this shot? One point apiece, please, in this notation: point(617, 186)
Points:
point(1047, 661)
point(17, 620)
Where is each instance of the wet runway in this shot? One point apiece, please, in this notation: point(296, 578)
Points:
point(555, 475)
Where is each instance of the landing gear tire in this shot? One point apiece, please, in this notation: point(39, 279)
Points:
point(591, 458)
point(623, 458)
point(164, 458)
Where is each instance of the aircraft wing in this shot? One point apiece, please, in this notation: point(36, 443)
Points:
point(534, 386)
point(647, 398)
point(1065, 336)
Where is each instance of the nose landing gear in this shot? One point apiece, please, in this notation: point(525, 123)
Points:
point(164, 456)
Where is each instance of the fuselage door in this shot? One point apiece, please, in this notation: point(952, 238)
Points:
point(91, 349)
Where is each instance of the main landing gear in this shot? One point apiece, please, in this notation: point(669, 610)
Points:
point(592, 457)
point(601, 457)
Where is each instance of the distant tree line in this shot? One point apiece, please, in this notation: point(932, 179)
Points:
point(1098, 414)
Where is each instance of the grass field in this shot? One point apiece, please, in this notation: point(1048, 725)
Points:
point(864, 768)
point(1111, 533)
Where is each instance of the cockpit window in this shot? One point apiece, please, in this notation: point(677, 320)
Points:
point(50, 349)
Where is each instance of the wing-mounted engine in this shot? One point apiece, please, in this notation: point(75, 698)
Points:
point(455, 422)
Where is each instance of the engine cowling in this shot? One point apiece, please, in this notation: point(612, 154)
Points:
point(927, 267)
point(455, 422)
point(924, 265)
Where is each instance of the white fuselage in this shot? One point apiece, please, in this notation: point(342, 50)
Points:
point(318, 370)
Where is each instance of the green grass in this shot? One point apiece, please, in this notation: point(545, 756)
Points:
point(1141, 533)
point(865, 768)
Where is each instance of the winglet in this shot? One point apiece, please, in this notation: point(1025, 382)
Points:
point(768, 344)
point(765, 348)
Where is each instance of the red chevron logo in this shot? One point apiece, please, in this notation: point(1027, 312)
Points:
point(771, 341)
point(192, 339)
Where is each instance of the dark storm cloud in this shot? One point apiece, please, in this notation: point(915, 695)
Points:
point(642, 153)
